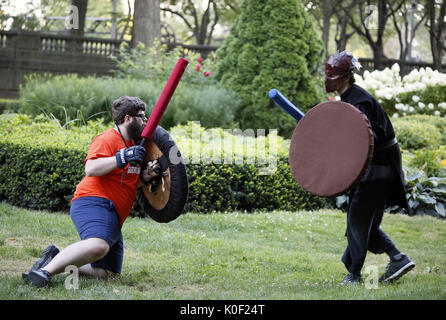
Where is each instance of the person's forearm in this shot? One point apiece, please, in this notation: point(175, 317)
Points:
point(100, 166)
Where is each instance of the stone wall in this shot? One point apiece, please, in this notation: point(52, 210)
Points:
point(22, 53)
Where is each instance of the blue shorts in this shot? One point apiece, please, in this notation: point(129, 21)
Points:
point(96, 217)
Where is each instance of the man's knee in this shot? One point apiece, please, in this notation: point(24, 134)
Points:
point(98, 248)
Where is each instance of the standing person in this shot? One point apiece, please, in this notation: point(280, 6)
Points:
point(103, 199)
point(382, 184)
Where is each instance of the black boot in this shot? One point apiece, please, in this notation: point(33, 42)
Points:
point(39, 277)
point(47, 255)
point(351, 279)
point(397, 268)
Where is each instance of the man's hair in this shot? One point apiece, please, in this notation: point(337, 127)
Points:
point(126, 106)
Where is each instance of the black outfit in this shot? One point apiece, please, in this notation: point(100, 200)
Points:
point(381, 186)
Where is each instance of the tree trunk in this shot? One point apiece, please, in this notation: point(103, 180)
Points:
point(378, 55)
point(341, 41)
point(326, 15)
point(146, 22)
point(378, 48)
point(437, 32)
point(81, 5)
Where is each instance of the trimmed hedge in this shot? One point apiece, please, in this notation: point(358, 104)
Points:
point(39, 178)
point(41, 164)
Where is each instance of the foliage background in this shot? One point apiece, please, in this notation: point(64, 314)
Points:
point(272, 44)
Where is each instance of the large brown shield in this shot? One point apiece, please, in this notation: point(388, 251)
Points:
point(164, 200)
point(331, 148)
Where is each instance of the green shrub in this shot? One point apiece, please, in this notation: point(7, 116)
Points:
point(416, 134)
point(423, 140)
point(157, 62)
point(10, 105)
point(242, 145)
point(73, 98)
point(39, 178)
point(425, 195)
point(48, 162)
point(213, 106)
point(272, 44)
point(438, 122)
point(422, 91)
point(430, 100)
point(429, 161)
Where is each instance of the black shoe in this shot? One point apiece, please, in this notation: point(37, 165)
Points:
point(39, 277)
point(351, 279)
point(396, 269)
point(47, 255)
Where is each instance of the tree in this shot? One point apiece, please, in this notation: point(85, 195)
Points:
point(272, 44)
point(201, 22)
point(82, 6)
point(323, 11)
point(146, 22)
point(373, 17)
point(437, 29)
point(342, 35)
point(404, 21)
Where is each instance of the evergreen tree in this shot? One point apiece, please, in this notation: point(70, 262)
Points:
point(272, 44)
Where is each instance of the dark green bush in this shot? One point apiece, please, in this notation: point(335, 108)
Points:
point(272, 44)
point(41, 164)
point(39, 178)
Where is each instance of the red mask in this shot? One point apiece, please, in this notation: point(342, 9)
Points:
point(332, 77)
point(338, 66)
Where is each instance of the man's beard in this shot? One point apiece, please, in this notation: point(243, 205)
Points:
point(135, 130)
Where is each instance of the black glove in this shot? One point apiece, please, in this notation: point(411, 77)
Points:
point(133, 155)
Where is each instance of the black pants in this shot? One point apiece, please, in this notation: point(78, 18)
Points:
point(364, 216)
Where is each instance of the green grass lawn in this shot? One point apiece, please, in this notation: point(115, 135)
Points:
point(267, 256)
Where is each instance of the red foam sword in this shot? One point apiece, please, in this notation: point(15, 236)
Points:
point(164, 99)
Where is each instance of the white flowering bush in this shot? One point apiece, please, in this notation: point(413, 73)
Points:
point(422, 91)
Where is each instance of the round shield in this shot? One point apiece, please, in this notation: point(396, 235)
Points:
point(331, 148)
point(164, 199)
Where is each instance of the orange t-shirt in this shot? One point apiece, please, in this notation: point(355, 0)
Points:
point(118, 185)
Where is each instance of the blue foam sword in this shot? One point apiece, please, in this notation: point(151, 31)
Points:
point(285, 104)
